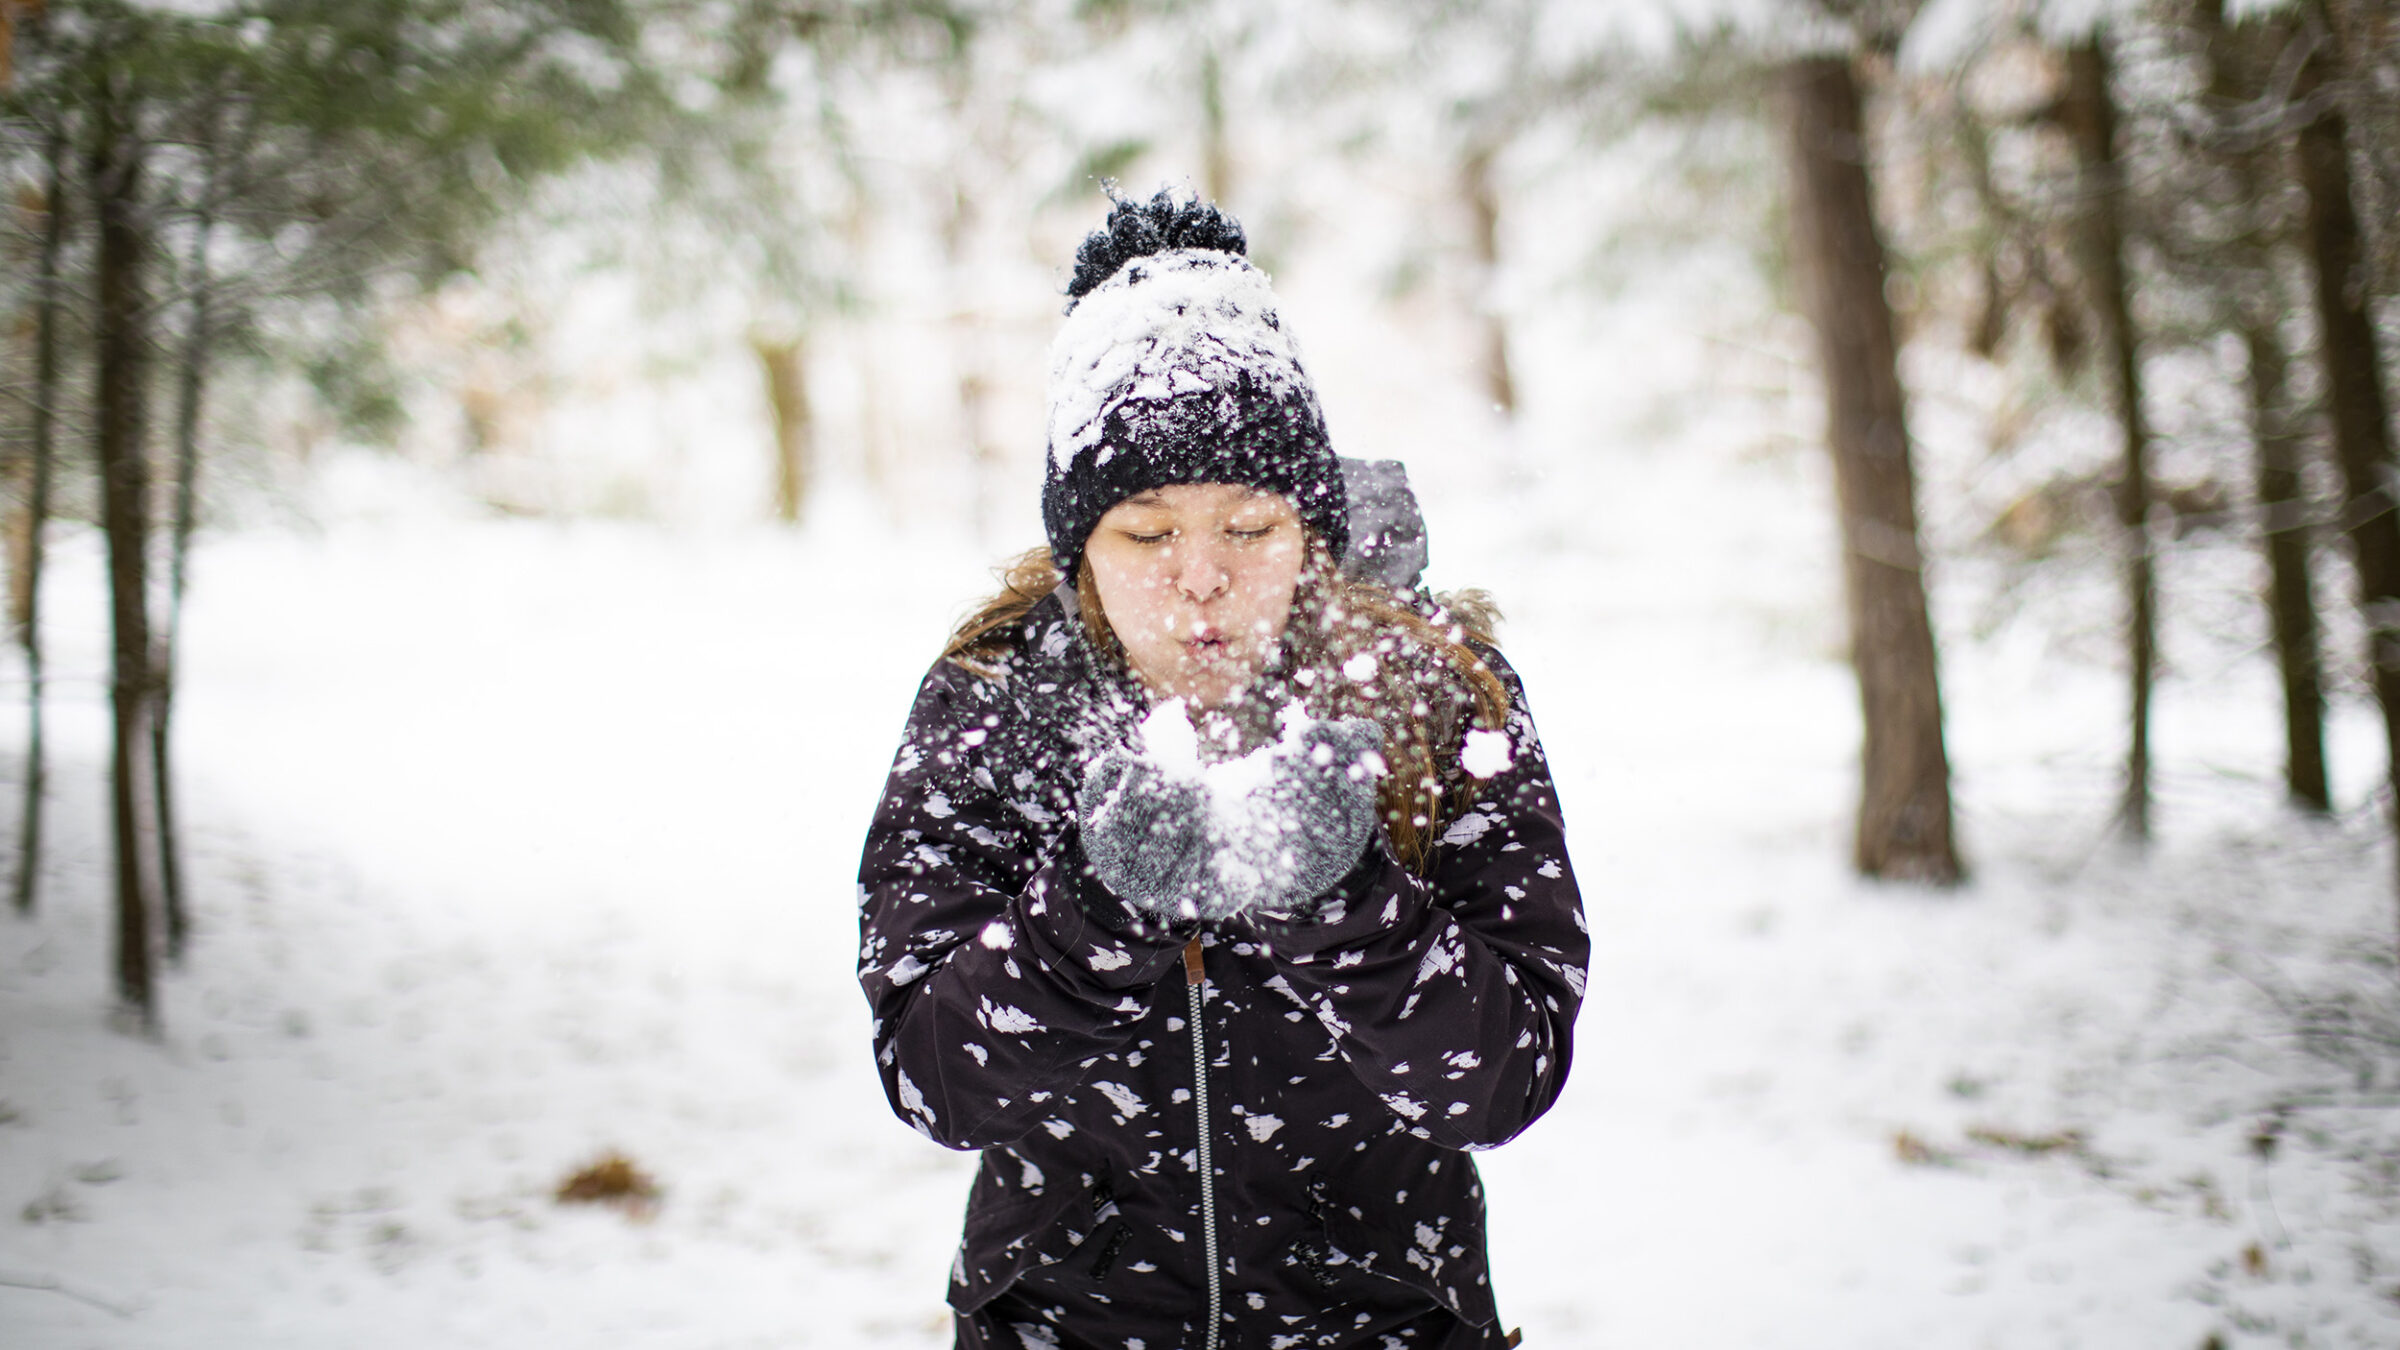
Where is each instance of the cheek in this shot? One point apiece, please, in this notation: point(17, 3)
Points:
point(1267, 586)
point(1130, 593)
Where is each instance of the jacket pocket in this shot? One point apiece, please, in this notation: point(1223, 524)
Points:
point(1011, 1231)
point(1439, 1255)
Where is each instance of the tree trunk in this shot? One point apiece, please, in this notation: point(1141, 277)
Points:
point(1904, 819)
point(787, 397)
point(2291, 598)
point(1216, 152)
point(1483, 206)
point(2237, 64)
point(2362, 438)
point(2091, 119)
point(984, 458)
point(2366, 39)
point(37, 513)
point(121, 341)
point(191, 385)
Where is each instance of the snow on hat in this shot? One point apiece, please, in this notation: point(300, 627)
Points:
point(1174, 367)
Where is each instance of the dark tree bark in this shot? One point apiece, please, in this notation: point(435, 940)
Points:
point(1904, 817)
point(37, 513)
point(121, 340)
point(2291, 594)
point(1483, 208)
point(191, 386)
point(2238, 63)
point(2090, 115)
point(2354, 397)
point(2366, 41)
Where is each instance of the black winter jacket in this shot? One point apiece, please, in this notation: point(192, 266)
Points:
point(1323, 1079)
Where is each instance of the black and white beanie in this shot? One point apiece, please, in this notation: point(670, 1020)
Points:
point(1174, 367)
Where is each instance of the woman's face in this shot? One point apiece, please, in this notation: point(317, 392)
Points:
point(1197, 581)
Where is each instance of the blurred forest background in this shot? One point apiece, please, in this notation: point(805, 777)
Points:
point(2070, 326)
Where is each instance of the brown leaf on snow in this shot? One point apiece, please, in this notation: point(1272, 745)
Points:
point(612, 1180)
point(2031, 1145)
point(1909, 1148)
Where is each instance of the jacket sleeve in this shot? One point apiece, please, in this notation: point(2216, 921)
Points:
point(1453, 997)
point(997, 971)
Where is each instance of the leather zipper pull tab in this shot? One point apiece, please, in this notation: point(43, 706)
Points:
point(1192, 973)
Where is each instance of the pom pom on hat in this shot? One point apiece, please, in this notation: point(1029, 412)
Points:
point(1174, 366)
point(1136, 230)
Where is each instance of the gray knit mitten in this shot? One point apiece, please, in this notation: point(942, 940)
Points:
point(1233, 842)
point(1144, 832)
point(1290, 840)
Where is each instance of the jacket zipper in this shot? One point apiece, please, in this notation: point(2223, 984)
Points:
point(1193, 978)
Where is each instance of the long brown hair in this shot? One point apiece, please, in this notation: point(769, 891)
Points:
point(1422, 681)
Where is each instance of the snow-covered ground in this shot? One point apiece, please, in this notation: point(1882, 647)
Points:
point(516, 842)
point(513, 842)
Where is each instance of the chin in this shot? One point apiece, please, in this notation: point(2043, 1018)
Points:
point(1201, 689)
point(1218, 693)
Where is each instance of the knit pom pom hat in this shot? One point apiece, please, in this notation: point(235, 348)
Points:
point(1174, 367)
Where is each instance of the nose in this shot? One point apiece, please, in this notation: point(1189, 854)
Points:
point(1200, 571)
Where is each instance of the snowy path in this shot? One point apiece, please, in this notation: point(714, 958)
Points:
point(517, 842)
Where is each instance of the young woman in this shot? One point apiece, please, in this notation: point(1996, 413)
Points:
point(1218, 894)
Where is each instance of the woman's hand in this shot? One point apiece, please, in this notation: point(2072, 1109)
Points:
point(1233, 842)
point(1307, 826)
point(1144, 833)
